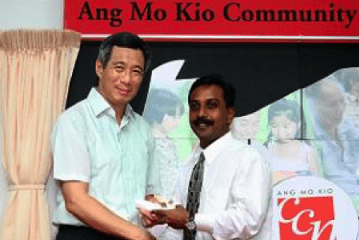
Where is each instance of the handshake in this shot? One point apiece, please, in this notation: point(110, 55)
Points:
point(156, 210)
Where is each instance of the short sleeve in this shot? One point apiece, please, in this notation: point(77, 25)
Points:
point(69, 149)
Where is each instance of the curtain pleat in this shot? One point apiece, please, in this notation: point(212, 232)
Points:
point(35, 70)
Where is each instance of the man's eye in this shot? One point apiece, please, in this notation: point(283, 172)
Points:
point(119, 68)
point(212, 104)
point(194, 106)
point(137, 72)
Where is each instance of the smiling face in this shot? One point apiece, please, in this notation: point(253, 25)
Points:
point(209, 117)
point(120, 80)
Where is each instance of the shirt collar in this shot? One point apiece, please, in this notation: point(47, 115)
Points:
point(99, 105)
point(215, 148)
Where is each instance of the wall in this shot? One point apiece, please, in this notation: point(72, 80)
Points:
point(16, 14)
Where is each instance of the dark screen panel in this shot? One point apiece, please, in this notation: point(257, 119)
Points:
point(261, 72)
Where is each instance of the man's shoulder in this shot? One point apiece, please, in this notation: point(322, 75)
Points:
point(242, 151)
point(349, 130)
point(240, 146)
point(141, 122)
point(76, 113)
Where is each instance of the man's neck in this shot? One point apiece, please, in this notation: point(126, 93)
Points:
point(205, 144)
point(119, 112)
point(118, 108)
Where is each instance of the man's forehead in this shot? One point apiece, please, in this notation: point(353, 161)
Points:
point(330, 91)
point(117, 51)
point(207, 92)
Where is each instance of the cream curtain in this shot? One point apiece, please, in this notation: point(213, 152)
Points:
point(35, 70)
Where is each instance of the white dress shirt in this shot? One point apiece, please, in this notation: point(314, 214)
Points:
point(235, 193)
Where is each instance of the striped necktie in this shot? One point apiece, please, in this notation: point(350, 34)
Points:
point(193, 198)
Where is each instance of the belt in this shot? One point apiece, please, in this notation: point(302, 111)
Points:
point(87, 230)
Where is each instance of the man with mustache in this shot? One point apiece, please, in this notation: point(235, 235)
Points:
point(102, 150)
point(224, 189)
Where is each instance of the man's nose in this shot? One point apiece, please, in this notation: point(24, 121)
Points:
point(202, 112)
point(125, 77)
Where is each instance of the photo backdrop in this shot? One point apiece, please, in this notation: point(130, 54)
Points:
point(264, 75)
point(261, 73)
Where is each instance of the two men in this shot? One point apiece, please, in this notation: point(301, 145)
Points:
point(224, 189)
point(103, 160)
point(102, 150)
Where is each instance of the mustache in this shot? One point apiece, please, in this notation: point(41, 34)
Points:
point(203, 120)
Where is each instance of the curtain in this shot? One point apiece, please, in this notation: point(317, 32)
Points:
point(35, 71)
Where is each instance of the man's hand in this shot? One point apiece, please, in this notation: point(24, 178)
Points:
point(150, 219)
point(94, 214)
point(176, 218)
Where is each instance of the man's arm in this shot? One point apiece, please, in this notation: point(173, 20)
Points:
point(95, 215)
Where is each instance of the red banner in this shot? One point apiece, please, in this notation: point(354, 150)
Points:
point(216, 20)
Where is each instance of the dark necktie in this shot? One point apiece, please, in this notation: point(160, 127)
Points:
point(193, 199)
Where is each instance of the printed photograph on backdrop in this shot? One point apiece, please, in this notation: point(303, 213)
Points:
point(332, 109)
point(289, 154)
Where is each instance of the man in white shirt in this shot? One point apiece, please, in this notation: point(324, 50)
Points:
point(102, 150)
point(236, 184)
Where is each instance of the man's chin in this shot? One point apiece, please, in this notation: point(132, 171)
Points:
point(201, 134)
point(121, 99)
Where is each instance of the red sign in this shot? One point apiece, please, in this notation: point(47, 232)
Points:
point(306, 218)
point(216, 20)
point(307, 207)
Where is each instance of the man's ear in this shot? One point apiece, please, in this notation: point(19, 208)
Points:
point(98, 68)
point(231, 114)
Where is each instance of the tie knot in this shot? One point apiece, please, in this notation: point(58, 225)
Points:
point(202, 157)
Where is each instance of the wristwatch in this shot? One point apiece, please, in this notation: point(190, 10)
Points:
point(191, 225)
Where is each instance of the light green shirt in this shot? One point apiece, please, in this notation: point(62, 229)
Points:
point(89, 145)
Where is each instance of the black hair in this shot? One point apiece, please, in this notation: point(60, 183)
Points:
point(284, 107)
point(159, 103)
point(229, 91)
point(123, 39)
